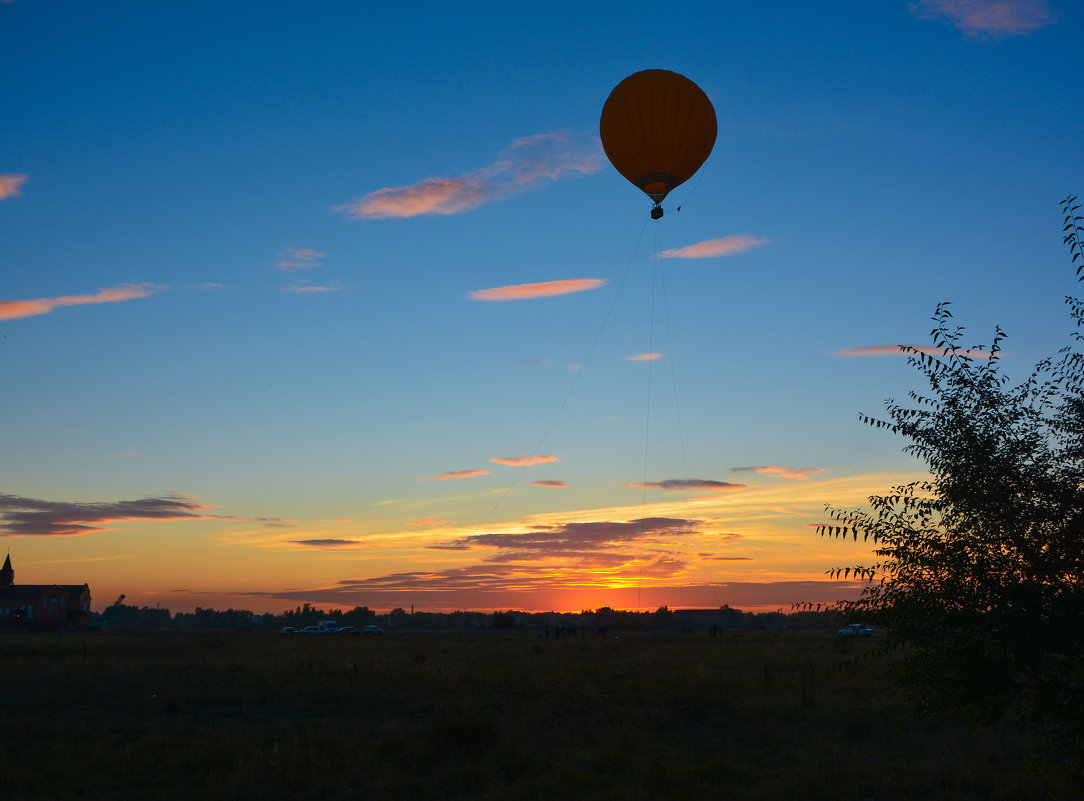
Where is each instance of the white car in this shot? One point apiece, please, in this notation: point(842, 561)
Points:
point(856, 630)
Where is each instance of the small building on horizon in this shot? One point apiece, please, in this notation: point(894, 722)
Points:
point(41, 606)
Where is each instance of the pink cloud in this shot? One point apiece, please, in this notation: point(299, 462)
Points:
point(15, 309)
point(292, 259)
point(547, 483)
point(643, 357)
point(907, 350)
point(988, 18)
point(688, 484)
point(544, 289)
point(427, 521)
point(523, 461)
point(9, 185)
point(525, 164)
point(455, 474)
point(801, 473)
point(727, 246)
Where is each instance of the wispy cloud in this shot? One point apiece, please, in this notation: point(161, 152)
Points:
point(303, 287)
point(547, 483)
point(687, 484)
point(451, 475)
point(726, 246)
point(328, 543)
point(30, 517)
point(994, 19)
point(781, 471)
point(523, 461)
point(908, 350)
point(292, 259)
point(544, 289)
point(428, 521)
point(15, 309)
point(527, 163)
point(10, 185)
point(643, 357)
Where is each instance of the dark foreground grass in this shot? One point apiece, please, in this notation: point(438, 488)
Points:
point(753, 715)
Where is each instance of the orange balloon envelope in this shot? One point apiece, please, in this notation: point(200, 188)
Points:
point(657, 128)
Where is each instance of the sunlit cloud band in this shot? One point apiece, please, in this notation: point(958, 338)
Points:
point(726, 246)
point(15, 309)
point(525, 164)
point(544, 289)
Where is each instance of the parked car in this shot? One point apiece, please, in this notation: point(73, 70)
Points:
point(310, 630)
point(856, 630)
point(373, 630)
point(287, 630)
point(347, 630)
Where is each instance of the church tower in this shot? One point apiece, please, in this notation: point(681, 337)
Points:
point(7, 573)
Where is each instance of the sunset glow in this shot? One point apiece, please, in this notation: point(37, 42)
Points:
point(347, 306)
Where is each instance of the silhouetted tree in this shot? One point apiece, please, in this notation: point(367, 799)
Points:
point(980, 568)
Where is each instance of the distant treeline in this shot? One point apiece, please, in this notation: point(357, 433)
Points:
point(120, 616)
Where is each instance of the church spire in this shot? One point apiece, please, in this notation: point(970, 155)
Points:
point(7, 573)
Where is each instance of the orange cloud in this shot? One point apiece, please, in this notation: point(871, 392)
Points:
point(727, 246)
point(523, 461)
point(15, 309)
point(454, 474)
point(525, 164)
point(9, 185)
point(907, 350)
point(643, 357)
point(427, 521)
point(292, 259)
point(544, 289)
point(547, 483)
point(781, 471)
point(988, 18)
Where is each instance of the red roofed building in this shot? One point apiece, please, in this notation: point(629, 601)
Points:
point(41, 606)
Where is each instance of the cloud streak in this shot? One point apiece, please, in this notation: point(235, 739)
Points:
point(643, 357)
point(452, 475)
point(781, 471)
point(523, 461)
point(547, 483)
point(597, 542)
point(910, 350)
point(16, 309)
point(994, 19)
point(545, 289)
point(712, 248)
point(688, 484)
point(11, 185)
point(30, 517)
point(527, 163)
point(292, 259)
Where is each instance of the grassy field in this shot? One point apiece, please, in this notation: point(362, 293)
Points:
point(653, 715)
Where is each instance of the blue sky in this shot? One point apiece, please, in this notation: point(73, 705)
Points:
point(242, 360)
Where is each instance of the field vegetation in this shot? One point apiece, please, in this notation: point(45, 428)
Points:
point(751, 714)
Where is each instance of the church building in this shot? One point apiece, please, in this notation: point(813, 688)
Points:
point(41, 606)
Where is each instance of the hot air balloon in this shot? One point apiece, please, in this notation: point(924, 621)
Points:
point(657, 128)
